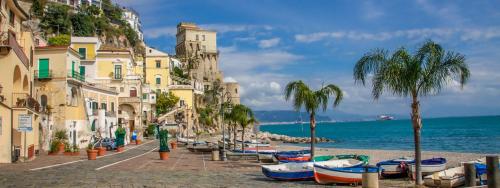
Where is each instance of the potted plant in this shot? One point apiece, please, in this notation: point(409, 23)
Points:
point(173, 143)
point(91, 152)
point(54, 147)
point(68, 150)
point(163, 145)
point(61, 136)
point(75, 150)
point(120, 138)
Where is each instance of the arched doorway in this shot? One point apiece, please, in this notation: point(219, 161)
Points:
point(17, 85)
point(127, 117)
point(25, 84)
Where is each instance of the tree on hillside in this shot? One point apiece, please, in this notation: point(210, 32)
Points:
point(83, 25)
point(165, 102)
point(37, 8)
point(412, 75)
point(60, 40)
point(303, 97)
point(56, 19)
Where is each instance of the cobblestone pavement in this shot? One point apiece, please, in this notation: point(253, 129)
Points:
point(142, 168)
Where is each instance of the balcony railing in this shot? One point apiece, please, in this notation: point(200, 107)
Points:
point(76, 75)
point(43, 74)
point(129, 100)
point(18, 50)
point(23, 100)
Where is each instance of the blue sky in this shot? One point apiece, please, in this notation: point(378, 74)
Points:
point(266, 43)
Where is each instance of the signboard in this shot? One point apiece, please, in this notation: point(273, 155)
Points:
point(25, 122)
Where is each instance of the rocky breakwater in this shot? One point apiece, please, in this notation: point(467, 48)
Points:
point(266, 136)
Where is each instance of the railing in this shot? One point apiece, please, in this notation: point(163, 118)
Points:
point(129, 99)
point(76, 75)
point(23, 100)
point(43, 74)
point(18, 50)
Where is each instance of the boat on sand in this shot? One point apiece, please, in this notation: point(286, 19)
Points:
point(302, 171)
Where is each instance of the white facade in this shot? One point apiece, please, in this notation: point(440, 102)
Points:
point(132, 17)
point(79, 3)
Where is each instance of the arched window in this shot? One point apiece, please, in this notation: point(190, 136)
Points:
point(43, 101)
point(158, 79)
point(74, 96)
point(92, 128)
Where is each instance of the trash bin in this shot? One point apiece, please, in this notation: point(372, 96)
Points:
point(16, 153)
point(215, 155)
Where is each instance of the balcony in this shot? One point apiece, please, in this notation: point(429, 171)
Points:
point(23, 100)
point(76, 75)
point(11, 44)
point(129, 100)
point(43, 74)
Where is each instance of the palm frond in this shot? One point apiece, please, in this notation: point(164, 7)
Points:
point(369, 63)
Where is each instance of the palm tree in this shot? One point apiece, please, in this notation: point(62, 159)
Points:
point(312, 101)
point(243, 116)
point(245, 122)
point(406, 75)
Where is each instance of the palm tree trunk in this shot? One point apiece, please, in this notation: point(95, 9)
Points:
point(234, 137)
point(243, 140)
point(417, 125)
point(313, 134)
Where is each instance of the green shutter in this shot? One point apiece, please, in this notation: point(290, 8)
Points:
point(82, 71)
point(83, 53)
point(43, 68)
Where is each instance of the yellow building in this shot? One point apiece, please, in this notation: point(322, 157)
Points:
point(59, 79)
point(157, 70)
point(102, 109)
point(186, 94)
point(87, 48)
point(116, 68)
point(18, 109)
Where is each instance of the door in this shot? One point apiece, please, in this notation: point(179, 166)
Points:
point(73, 69)
point(43, 68)
point(131, 125)
point(82, 71)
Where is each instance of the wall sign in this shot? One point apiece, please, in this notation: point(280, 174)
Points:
point(25, 122)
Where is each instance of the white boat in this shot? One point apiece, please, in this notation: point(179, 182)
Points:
point(449, 178)
point(325, 174)
point(395, 167)
point(430, 166)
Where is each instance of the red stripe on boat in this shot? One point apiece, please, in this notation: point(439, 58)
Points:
point(327, 179)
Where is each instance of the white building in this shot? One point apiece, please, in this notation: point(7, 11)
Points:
point(79, 3)
point(132, 17)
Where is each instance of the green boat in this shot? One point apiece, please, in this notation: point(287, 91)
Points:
point(362, 158)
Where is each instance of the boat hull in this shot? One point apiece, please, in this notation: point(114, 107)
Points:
point(325, 175)
point(445, 183)
point(429, 169)
point(289, 176)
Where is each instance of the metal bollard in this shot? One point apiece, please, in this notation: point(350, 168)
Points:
point(215, 155)
point(369, 179)
point(470, 174)
point(492, 171)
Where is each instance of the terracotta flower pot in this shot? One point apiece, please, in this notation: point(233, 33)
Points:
point(92, 154)
point(173, 145)
point(68, 153)
point(101, 151)
point(137, 142)
point(60, 147)
point(53, 153)
point(76, 153)
point(163, 155)
point(120, 149)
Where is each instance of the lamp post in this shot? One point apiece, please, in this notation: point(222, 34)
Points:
point(224, 95)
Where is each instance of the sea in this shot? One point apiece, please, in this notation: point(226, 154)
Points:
point(454, 134)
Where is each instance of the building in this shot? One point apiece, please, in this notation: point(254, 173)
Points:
point(132, 17)
point(157, 70)
point(59, 80)
point(78, 3)
point(200, 45)
point(102, 109)
point(233, 90)
point(117, 69)
point(19, 110)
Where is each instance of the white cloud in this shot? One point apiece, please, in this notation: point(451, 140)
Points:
point(370, 11)
point(268, 43)
point(170, 31)
point(240, 61)
point(420, 34)
point(229, 79)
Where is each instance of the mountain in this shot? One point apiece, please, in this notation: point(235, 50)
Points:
point(285, 116)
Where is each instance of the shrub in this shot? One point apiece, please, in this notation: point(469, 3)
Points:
point(60, 40)
point(60, 135)
point(54, 146)
point(75, 148)
point(163, 141)
point(120, 136)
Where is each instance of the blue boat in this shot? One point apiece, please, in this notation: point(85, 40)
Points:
point(395, 168)
point(324, 174)
point(301, 171)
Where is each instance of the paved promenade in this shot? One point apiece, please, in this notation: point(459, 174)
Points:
point(138, 166)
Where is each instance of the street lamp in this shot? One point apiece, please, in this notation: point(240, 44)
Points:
point(224, 95)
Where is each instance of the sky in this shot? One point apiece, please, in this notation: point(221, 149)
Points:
point(264, 44)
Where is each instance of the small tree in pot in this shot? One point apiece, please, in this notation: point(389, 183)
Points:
point(91, 152)
point(163, 145)
point(61, 137)
point(120, 138)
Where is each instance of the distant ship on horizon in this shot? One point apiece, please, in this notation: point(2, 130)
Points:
point(385, 118)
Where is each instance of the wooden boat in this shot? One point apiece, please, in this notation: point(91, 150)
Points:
point(324, 174)
point(301, 171)
point(449, 178)
point(395, 167)
point(430, 166)
point(363, 158)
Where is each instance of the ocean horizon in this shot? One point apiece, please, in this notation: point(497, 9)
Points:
point(477, 134)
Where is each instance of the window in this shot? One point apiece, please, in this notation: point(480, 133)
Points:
point(144, 96)
point(158, 63)
point(104, 106)
point(83, 53)
point(94, 105)
point(11, 17)
point(82, 71)
point(204, 48)
point(133, 92)
point(158, 80)
point(158, 91)
point(203, 37)
point(118, 72)
point(198, 46)
point(235, 90)
point(122, 89)
point(112, 107)
point(182, 103)
point(112, 88)
point(197, 38)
